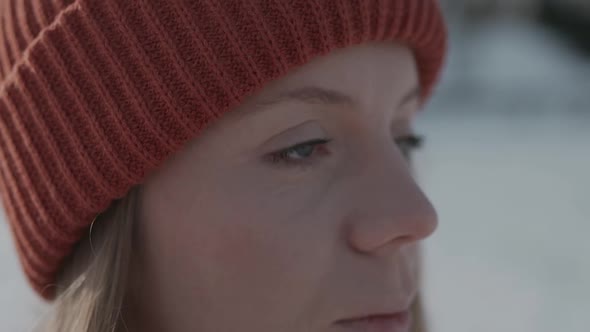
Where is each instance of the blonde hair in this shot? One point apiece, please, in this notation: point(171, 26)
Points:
point(92, 289)
point(93, 285)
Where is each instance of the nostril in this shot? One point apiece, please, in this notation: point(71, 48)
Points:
point(406, 239)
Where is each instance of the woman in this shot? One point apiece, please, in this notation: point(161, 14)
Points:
point(218, 165)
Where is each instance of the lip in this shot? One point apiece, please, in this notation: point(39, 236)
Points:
point(387, 322)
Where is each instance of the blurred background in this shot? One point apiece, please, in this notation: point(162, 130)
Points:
point(507, 164)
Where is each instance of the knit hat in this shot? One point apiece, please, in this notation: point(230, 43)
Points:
point(96, 94)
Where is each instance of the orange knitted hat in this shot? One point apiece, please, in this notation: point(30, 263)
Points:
point(96, 94)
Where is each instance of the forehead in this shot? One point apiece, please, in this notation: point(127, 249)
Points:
point(369, 73)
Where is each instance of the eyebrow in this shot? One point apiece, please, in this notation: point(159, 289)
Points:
point(318, 95)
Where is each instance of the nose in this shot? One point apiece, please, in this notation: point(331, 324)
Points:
point(388, 208)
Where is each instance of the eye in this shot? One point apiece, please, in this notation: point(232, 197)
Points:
point(408, 144)
point(301, 153)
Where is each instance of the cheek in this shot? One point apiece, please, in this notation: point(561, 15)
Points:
point(242, 251)
point(264, 249)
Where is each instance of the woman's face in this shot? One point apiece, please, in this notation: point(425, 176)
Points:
point(292, 212)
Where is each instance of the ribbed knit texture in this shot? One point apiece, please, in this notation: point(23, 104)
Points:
point(95, 94)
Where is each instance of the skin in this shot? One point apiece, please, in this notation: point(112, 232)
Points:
point(230, 238)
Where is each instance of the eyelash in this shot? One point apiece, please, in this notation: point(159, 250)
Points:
point(282, 156)
point(407, 144)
